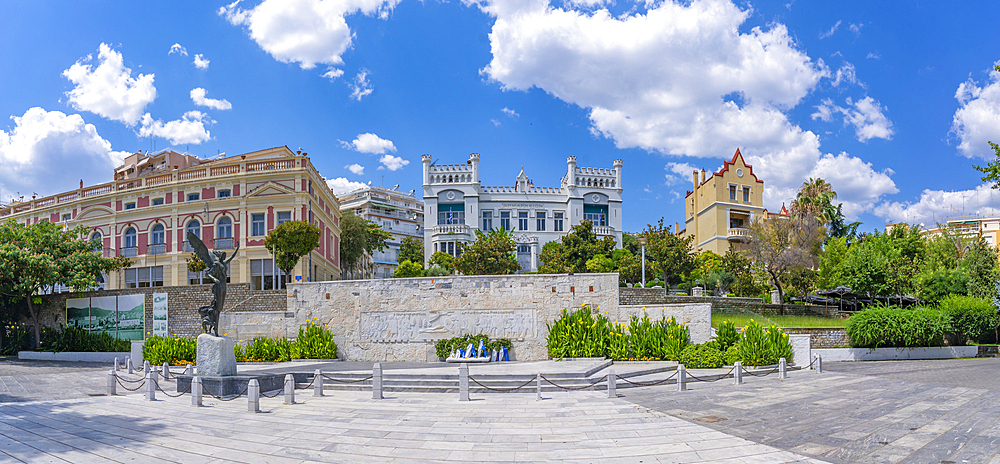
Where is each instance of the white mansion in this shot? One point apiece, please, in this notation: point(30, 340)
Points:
point(455, 205)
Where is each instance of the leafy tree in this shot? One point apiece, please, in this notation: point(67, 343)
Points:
point(831, 271)
point(838, 227)
point(489, 254)
point(799, 281)
point(194, 263)
point(601, 263)
point(910, 242)
point(706, 263)
point(574, 250)
point(436, 270)
point(814, 198)
point(673, 253)
point(741, 268)
point(936, 284)
point(408, 269)
point(358, 237)
point(442, 260)
point(42, 255)
point(411, 249)
point(981, 265)
point(290, 241)
point(782, 244)
point(876, 266)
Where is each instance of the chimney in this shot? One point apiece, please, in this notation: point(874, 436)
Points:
point(694, 181)
point(703, 175)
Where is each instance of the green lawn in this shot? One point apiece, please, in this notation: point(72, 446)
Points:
point(782, 321)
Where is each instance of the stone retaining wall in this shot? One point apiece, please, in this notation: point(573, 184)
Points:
point(401, 319)
point(823, 337)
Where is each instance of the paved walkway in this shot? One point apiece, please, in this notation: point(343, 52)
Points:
point(968, 372)
point(49, 380)
point(577, 427)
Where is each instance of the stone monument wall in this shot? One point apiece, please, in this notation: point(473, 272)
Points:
point(401, 319)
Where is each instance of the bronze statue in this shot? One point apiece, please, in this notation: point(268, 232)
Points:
point(217, 269)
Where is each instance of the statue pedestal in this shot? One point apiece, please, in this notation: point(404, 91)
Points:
point(216, 356)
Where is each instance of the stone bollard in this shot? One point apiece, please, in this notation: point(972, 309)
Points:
point(318, 382)
point(128, 362)
point(145, 368)
point(782, 369)
point(377, 381)
point(463, 382)
point(151, 386)
point(538, 386)
point(166, 371)
point(112, 383)
point(196, 391)
point(737, 373)
point(819, 364)
point(681, 378)
point(116, 364)
point(189, 370)
point(253, 396)
point(612, 384)
point(289, 389)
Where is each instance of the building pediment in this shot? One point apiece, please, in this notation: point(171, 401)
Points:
point(269, 188)
point(95, 212)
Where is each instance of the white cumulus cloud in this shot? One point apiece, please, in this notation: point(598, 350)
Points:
point(178, 49)
point(109, 90)
point(866, 115)
point(49, 152)
point(333, 73)
point(823, 35)
point(342, 185)
point(200, 61)
point(356, 168)
point(307, 32)
point(392, 163)
point(361, 86)
point(510, 113)
point(936, 205)
point(369, 143)
point(190, 129)
point(977, 120)
point(198, 97)
point(678, 172)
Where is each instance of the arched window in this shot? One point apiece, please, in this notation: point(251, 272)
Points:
point(224, 228)
point(96, 241)
point(157, 236)
point(194, 227)
point(130, 241)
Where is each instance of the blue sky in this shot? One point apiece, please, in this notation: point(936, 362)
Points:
point(892, 102)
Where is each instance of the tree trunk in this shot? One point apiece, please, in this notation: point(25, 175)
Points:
point(781, 294)
point(34, 320)
point(666, 286)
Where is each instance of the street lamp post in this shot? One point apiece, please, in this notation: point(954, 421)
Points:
point(642, 242)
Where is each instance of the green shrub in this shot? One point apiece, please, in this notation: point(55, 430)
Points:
point(408, 268)
point(897, 327)
point(757, 345)
point(265, 349)
point(975, 319)
point(726, 335)
point(77, 339)
point(176, 351)
point(314, 342)
point(702, 357)
point(444, 348)
point(579, 334)
point(17, 337)
point(583, 334)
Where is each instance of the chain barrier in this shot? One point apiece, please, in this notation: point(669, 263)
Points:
point(178, 395)
point(143, 384)
point(765, 374)
point(305, 387)
point(275, 395)
point(501, 389)
point(647, 384)
point(204, 390)
point(602, 379)
point(717, 378)
point(123, 379)
point(327, 377)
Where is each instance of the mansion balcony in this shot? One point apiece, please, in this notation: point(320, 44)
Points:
point(604, 230)
point(451, 229)
point(156, 249)
point(738, 234)
point(221, 243)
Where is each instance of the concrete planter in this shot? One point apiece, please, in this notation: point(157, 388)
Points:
point(883, 354)
point(79, 356)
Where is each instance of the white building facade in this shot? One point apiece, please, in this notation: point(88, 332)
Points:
point(455, 205)
point(401, 214)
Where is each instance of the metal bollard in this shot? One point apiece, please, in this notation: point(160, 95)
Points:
point(681, 378)
point(819, 364)
point(377, 381)
point(166, 371)
point(318, 383)
point(145, 368)
point(189, 370)
point(289, 389)
point(538, 386)
point(737, 373)
point(463, 382)
point(782, 369)
point(253, 396)
point(151, 386)
point(116, 365)
point(112, 383)
point(128, 362)
point(196, 392)
point(612, 384)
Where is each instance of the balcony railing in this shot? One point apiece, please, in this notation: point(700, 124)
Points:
point(156, 249)
point(604, 230)
point(130, 252)
point(187, 247)
point(738, 233)
point(222, 243)
point(451, 229)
